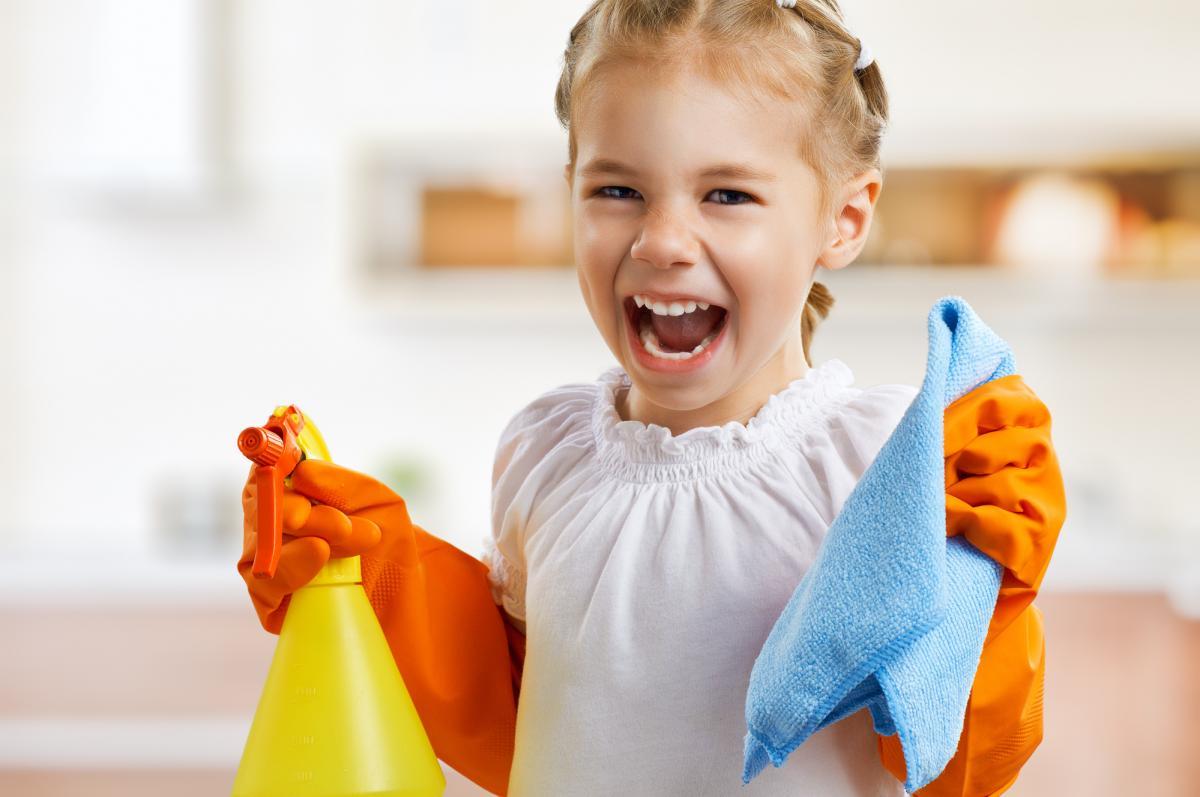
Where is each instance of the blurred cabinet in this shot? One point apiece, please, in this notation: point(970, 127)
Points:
point(491, 201)
point(500, 200)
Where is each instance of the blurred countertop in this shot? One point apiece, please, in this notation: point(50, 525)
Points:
point(1083, 561)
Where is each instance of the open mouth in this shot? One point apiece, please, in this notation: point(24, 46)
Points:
point(676, 330)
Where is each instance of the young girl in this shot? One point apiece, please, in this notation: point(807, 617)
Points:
point(650, 526)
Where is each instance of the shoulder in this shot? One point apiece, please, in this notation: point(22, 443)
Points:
point(866, 419)
point(879, 404)
point(545, 421)
point(542, 442)
point(543, 439)
point(839, 449)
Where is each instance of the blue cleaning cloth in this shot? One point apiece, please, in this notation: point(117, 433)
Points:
point(892, 614)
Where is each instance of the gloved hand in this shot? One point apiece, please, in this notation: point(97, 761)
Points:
point(1005, 494)
point(461, 662)
point(330, 511)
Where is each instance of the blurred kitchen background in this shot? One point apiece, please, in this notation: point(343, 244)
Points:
point(211, 207)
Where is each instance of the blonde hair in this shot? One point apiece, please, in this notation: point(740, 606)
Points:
point(804, 55)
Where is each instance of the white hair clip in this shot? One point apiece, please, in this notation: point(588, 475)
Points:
point(865, 56)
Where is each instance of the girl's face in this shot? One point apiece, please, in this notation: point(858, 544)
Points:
point(650, 222)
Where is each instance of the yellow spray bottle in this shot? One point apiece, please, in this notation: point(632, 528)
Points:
point(334, 718)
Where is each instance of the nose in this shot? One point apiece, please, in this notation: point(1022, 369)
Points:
point(665, 241)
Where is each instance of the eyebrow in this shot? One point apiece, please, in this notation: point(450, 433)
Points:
point(735, 171)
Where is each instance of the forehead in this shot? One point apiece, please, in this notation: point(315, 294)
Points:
point(683, 122)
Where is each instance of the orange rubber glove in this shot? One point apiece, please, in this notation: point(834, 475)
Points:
point(459, 657)
point(312, 534)
point(1004, 492)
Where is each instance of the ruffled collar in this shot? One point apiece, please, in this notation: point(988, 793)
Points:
point(633, 447)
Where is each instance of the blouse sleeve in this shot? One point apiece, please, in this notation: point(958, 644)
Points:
point(503, 549)
point(525, 443)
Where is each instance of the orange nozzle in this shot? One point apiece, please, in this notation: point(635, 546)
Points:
point(261, 446)
point(275, 452)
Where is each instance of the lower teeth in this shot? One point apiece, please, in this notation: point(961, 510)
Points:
point(651, 343)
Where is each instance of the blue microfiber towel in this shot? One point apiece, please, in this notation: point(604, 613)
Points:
point(892, 614)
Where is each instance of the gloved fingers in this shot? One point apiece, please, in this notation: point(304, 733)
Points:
point(399, 540)
point(362, 537)
point(295, 511)
point(325, 522)
point(998, 404)
point(297, 514)
point(1014, 446)
point(1004, 488)
point(347, 535)
point(1022, 542)
point(299, 560)
point(249, 543)
point(1013, 515)
point(249, 491)
point(1001, 526)
point(1008, 488)
point(340, 487)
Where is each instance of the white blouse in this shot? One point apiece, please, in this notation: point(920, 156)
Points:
point(649, 569)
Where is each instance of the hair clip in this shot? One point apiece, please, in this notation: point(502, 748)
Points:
point(865, 56)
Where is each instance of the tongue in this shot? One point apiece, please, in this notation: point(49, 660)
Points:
point(684, 332)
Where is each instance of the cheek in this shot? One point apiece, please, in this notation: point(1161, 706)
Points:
point(585, 288)
point(595, 229)
point(599, 252)
point(768, 299)
point(596, 274)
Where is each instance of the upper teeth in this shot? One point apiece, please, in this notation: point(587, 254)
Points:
point(668, 308)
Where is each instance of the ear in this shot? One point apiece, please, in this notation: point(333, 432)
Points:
point(569, 175)
point(852, 220)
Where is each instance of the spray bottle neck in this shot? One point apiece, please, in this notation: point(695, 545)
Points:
point(342, 570)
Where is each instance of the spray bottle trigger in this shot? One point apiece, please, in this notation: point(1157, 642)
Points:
point(274, 450)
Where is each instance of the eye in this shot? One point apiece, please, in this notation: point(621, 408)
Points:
point(734, 193)
point(601, 192)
